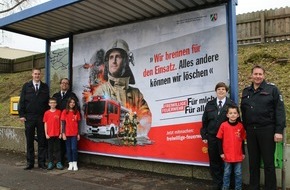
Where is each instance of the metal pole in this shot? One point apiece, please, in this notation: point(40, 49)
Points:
point(47, 62)
point(233, 52)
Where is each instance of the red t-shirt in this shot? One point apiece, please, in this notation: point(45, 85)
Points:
point(232, 137)
point(52, 120)
point(71, 122)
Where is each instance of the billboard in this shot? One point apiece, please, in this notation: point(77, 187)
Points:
point(143, 86)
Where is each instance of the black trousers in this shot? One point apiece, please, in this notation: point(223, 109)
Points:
point(32, 125)
point(63, 151)
point(53, 148)
point(216, 164)
point(260, 143)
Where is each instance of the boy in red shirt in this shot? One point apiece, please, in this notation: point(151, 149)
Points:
point(51, 121)
point(231, 147)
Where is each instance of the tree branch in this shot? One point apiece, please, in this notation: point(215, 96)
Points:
point(13, 7)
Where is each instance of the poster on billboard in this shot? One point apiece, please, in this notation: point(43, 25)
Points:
point(143, 86)
point(58, 68)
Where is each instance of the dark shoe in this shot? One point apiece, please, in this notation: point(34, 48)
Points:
point(59, 166)
point(42, 166)
point(50, 166)
point(29, 167)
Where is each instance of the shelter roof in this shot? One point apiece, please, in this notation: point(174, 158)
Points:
point(57, 19)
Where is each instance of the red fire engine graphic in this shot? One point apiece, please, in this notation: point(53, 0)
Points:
point(104, 116)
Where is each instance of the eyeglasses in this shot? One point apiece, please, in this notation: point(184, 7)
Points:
point(64, 83)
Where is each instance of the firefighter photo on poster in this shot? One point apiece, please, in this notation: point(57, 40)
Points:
point(143, 86)
point(112, 97)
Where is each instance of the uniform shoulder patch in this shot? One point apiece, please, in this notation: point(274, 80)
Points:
point(281, 98)
point(270, 83)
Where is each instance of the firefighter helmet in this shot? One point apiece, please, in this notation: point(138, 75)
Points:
point(123, 47)
point(118, 44)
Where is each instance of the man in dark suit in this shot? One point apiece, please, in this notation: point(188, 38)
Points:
point(62, 97)
point(213, 116)
point(32, 105)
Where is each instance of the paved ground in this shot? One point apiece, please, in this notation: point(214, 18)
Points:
point(12, 176)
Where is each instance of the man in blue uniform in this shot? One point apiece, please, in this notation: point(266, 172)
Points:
point(263, 115)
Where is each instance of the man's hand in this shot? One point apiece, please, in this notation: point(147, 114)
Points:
point(278, 137)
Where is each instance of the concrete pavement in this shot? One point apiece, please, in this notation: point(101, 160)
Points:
point(12, 176)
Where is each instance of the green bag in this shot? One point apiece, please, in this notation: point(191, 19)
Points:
point(278, 156)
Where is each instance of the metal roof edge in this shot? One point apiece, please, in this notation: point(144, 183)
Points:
point(34, 11)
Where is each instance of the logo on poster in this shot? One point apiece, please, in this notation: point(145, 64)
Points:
point(214, 17)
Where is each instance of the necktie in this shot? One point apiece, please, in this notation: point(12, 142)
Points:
point(36, 88)
point(63, 93)
point(220, 106)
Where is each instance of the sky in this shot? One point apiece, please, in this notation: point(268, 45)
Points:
point(33, 44)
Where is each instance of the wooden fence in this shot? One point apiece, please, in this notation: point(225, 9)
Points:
point(264, 26)
point(6, 65)
point(22, 64)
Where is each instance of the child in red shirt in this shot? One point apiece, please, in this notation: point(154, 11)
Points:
point(51, 121)
point(231, 147)
point(70, 118)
